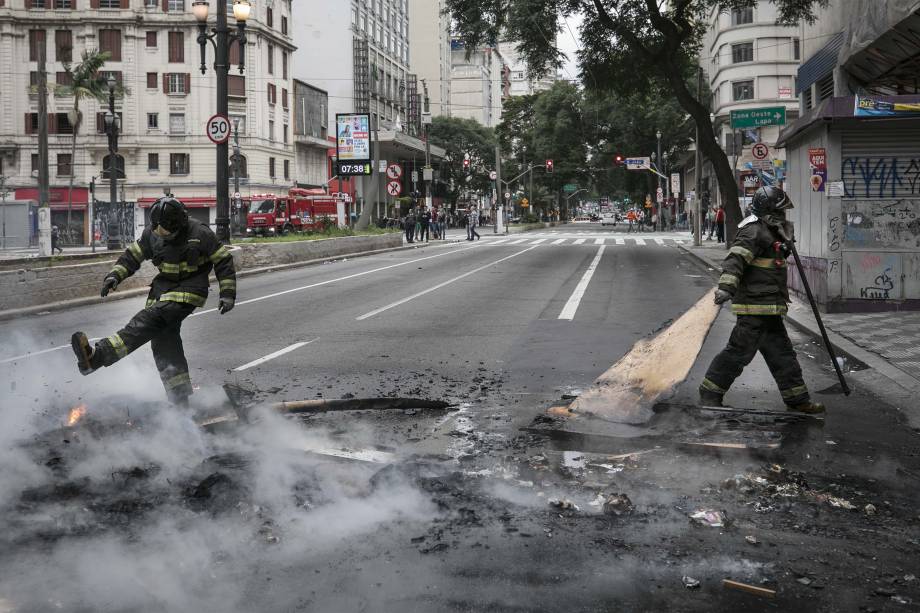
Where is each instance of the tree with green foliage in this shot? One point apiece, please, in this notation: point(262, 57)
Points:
point(460, 138)
point(85, 83)
point(627, 45)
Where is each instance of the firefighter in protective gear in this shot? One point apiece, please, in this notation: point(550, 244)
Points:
point(184, 251)
point(754, 279)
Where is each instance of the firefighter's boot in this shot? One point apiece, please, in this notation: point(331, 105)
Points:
point(709, 398)
point(806, 407)
point(87, 358)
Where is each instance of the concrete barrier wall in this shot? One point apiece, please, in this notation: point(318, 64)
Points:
point(533, 226)
point(47, 282)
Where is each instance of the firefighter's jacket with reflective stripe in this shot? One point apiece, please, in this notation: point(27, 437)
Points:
point(754, 272)
point(184, 264)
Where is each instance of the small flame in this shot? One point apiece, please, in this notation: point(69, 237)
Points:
point(76, 414)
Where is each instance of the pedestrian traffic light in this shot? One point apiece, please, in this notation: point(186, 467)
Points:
point(549, 166)
point(466, 164)
point(618, 159)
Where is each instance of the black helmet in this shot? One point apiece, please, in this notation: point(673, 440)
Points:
point(770, 199)
point(169, 213)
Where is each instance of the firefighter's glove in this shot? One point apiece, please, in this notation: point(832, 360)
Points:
point(722, 296)
point(225, 305)
point(108, 285)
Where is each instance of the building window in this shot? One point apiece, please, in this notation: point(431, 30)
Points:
point(238, 166)
point(825, 87)
point(271, 58)
point(742, 16)
point(177, 123)
point(110, 41)
point(269, 17)
point(34, 162)
point(153, 121)
point(236, 86)
point(742, 52)
point(110, 4)
point(796, 49)
point(176, 47)
point(63, 4)
point(151, 39)
point(284, 133)
point(153, 161)
point(178, 164)
point(63, 79)
point(176, 6)
point(151, 80)
point(64, 165)
point(151, 4)
point(284, 25)
point(284, 103)
point(36, 44)
point(284, 65)
point(63, 45)
point(272, 93)
point(271, 131)
point(807, 98)
point(287, 169)
point(61, 124)
point(271, 167)
point(743, 90)
point(177, 82)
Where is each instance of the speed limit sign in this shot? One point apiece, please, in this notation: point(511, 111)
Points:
point(218, 129)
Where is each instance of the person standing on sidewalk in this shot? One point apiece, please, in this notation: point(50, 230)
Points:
point(472, 221)
point(754, 279)
point(720, 224)
point(409, 226)
point(424, 222)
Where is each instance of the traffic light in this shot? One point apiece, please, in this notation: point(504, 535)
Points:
point(466, 164)
point(549, 167)
point(618, 159)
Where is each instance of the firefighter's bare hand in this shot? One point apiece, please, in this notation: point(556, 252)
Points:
point(722, 296)
point(225, 305)
point(108, 285)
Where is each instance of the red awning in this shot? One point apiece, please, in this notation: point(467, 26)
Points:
point(57, 197)
point(192, 203)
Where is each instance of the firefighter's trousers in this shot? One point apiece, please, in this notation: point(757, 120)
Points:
point(753, 333)
point(160, 323)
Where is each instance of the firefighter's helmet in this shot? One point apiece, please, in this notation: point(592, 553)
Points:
point(770, 199)
point(170, 214)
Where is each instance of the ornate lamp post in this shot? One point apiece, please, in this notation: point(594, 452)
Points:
point(222, 38)
point(112, 128)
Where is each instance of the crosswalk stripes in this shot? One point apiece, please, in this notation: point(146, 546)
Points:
point(598, 241)
point(518, 241)
point(558, 241)
point(620, 241)
point(639, 241)
point(580, 241)
point(574, 238)
point(659, 241)
point(538, 241)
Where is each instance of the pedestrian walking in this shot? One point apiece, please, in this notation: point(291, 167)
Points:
point(409, 226)
point(720, 224)
point(471, 223)
point(630, 219)
point(185, 251)
point(424, 224)
point(445, 222)
point(754, 279)
point(56, 240)
point(710, 222)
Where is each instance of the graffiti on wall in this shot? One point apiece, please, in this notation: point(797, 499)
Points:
point(882, 223)
point(881, 177)
point(873, 276)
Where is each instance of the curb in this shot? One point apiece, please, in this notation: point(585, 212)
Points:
point(140, 291)
point(802, 318)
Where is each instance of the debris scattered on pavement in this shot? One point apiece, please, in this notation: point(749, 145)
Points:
point(709, 517)
point(690, 583)
point(870, 509)
point(752, 540)
point(750, 589)
point(617, 505)
point(563, 504)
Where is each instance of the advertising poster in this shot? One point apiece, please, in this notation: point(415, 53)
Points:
point(870, 107)
point(817, 159)
point(353, 137)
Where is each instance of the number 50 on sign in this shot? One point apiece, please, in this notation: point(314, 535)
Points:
point(218, 129)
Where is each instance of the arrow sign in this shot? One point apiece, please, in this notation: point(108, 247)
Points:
point(755, 118)
point(639, 163)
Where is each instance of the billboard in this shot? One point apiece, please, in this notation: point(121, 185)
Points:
point(353, 144)
point(870, 107)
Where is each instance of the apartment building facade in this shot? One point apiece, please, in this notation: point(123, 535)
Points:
point(478, 83)
point(429, 51)
point(520, 81)
point(154, 56)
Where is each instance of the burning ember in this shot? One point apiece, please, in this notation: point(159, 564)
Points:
point(76, 414)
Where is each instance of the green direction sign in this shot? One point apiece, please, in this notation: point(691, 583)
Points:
point(569, 187)
point(755, 118)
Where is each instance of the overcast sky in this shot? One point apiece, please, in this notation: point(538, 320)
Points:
point(568, 42)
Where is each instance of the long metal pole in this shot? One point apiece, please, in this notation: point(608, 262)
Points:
point(429, 201)
point(113, 167)
point(698, 160)
point(3, 199)
point(222, 68)
point(238, 203)
point(500, 195)
point(43, 179)
point(659, 161)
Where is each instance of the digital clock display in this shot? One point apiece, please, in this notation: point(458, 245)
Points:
point(348, 169)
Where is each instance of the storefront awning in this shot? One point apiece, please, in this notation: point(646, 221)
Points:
point(57, 197)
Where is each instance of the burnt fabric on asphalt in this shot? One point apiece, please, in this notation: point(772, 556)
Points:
point(754, 273)
point(181, 285)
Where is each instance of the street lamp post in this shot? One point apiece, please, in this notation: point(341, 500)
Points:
point(112, 128)
point(222, 38)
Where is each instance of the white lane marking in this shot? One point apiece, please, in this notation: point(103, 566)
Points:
point(345, 278)
point(659, 241)
point(538, 241)
point(679, 241)
point(42, 352)
point(558, 241)
point(620, 241)
point(272, 356)
point(568, 311)
point(579, 241)
point(440, 285)
point(518, 241)
point(639, 241)
point(500, 241)
point(598, 241)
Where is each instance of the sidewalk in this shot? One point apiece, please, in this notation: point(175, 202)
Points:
point(889, 343)
point(32, 252)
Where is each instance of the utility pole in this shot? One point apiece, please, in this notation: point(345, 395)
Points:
point(111, 124)
point(500, 192)
point(237, 201)
point(92, 213)
point(3, 211)
point(44, 204)
point(660, 161)
point(427, 172)
point(698, 161)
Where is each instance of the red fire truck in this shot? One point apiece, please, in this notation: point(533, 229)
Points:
point(301, 210)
